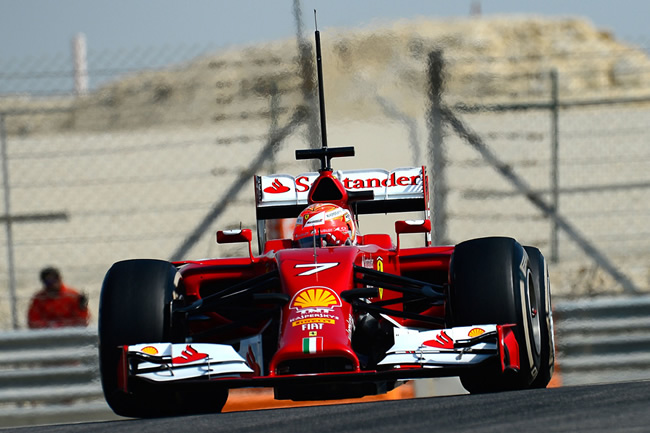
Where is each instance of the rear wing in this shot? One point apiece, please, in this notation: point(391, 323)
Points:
point(399, 190)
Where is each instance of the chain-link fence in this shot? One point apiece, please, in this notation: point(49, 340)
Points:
point(154, 159)
point(564, 169)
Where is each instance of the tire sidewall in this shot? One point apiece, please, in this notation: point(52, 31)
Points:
point(527, 300)
point(547, 357)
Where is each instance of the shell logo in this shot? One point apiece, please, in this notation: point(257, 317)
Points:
point(315, 297)
point(475, 332)
point(149, 350)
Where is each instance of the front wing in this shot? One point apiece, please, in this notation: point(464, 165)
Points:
point(415, 354)
point(440, 348)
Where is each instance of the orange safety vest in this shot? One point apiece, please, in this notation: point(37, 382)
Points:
point(64, 309)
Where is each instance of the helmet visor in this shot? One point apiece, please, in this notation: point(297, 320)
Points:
point(309, 241)
point(320, 241)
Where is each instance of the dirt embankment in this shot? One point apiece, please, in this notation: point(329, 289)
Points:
point(500, 58)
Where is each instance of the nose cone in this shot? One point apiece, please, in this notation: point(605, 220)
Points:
point(316, 323)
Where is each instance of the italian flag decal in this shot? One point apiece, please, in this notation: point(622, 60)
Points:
point(312, 344)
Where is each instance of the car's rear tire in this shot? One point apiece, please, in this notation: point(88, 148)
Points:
point(135, 307)
point(547, 355)
point(492, 283)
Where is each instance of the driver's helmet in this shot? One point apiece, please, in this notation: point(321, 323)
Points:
point(327, 224)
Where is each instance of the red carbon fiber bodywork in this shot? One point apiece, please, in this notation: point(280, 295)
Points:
point(310, 277)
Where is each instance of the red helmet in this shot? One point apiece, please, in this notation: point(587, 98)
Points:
point(330, 224)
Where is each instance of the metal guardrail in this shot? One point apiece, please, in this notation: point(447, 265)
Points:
point(51, 376)
point(603, 339)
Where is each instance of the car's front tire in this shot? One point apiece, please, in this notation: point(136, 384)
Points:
point(135, 307)
point(492, 283)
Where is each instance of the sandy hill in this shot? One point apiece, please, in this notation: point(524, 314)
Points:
point(500, 57)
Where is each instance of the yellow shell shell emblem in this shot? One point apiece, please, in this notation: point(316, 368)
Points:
point(315, 298)
point(149, 350)
point(475, 332)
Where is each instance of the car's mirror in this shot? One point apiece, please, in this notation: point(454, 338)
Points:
point(413, 226)
point(234, 236)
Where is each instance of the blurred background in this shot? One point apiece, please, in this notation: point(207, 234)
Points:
point(134, 129)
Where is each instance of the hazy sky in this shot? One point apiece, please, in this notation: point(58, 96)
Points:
point(33, 28)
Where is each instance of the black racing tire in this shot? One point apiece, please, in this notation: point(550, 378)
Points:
point(135, 307)
point(547, 356)
point(492, 283)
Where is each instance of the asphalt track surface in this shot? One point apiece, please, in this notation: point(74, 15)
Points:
point(621, 407)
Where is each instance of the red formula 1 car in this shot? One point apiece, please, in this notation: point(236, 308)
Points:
point(328, 313)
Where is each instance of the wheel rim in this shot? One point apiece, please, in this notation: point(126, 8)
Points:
point(534, 313)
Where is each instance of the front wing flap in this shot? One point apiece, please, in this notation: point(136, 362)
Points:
point(443, 347)
point(163, 362)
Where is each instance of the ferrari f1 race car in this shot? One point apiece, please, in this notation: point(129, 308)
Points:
point(328, 313)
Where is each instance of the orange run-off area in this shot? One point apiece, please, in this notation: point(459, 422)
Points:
point(262, 398)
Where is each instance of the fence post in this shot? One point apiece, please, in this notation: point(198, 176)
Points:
point(80, 64)
point(436, 150)
point(555, 144)
point(8, 227)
